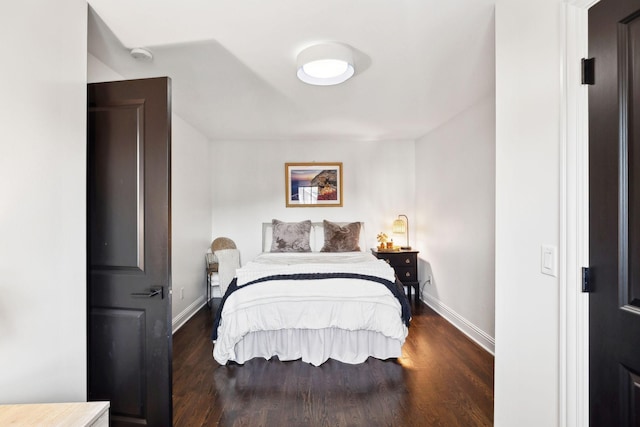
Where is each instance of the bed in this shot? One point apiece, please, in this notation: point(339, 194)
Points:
point(314, 296)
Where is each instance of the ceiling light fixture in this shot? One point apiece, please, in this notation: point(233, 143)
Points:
point(325, 64)
point(141, 54)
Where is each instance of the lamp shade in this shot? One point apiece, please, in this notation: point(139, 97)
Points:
point(325, 64)
point(401, 226)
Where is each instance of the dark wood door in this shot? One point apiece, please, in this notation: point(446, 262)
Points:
point(614, 209)
point(129, 250)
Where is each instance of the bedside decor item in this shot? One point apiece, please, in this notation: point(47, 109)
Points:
point(382, 239)
point(401, 226)
point(313, 184)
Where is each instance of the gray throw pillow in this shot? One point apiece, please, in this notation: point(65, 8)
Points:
point(291, 236)
point(341, 238)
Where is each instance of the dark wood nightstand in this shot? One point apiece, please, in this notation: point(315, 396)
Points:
point(405, 264)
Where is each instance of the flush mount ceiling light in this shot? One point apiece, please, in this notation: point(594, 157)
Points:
point(325, 64)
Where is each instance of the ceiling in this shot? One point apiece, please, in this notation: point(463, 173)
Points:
point(233, 62)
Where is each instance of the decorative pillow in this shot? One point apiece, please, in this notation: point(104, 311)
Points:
point(291, 236)
point(341, 238)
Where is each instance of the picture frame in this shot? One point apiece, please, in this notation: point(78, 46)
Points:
point(313, 184)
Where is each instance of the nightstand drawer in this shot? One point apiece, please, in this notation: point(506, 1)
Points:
point(406, 274)
point(399, 259)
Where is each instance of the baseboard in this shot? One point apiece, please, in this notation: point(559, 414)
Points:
point(187, 314)
point(469, 329)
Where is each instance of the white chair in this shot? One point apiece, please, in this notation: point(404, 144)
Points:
point(228, 262)
point(222, 263)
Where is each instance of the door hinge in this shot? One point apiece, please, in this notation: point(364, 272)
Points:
point(588, 71)
point(586, 279)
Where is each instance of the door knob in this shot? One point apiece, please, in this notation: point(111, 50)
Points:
point(149, 294)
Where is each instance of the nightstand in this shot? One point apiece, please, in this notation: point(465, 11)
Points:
point(405, 264)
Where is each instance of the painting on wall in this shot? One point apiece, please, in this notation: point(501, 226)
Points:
point(313, 184)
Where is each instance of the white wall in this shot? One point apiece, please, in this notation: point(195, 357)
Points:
point(190, 206)
point(42, 201)
point(190, 218)
point(528, 70)
point(249, 186)
point(98, 71)
point(455, 205)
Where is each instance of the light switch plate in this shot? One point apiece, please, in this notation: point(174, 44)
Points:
point(549, 260)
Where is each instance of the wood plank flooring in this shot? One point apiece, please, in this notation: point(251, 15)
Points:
point(443, 379)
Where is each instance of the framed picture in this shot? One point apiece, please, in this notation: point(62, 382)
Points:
point(313, 184)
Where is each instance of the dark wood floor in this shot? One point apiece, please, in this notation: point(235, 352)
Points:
point(443, 379)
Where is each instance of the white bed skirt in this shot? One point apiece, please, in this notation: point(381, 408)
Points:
point(316, 346)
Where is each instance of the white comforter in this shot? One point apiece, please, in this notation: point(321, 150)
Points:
point(347, 304)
